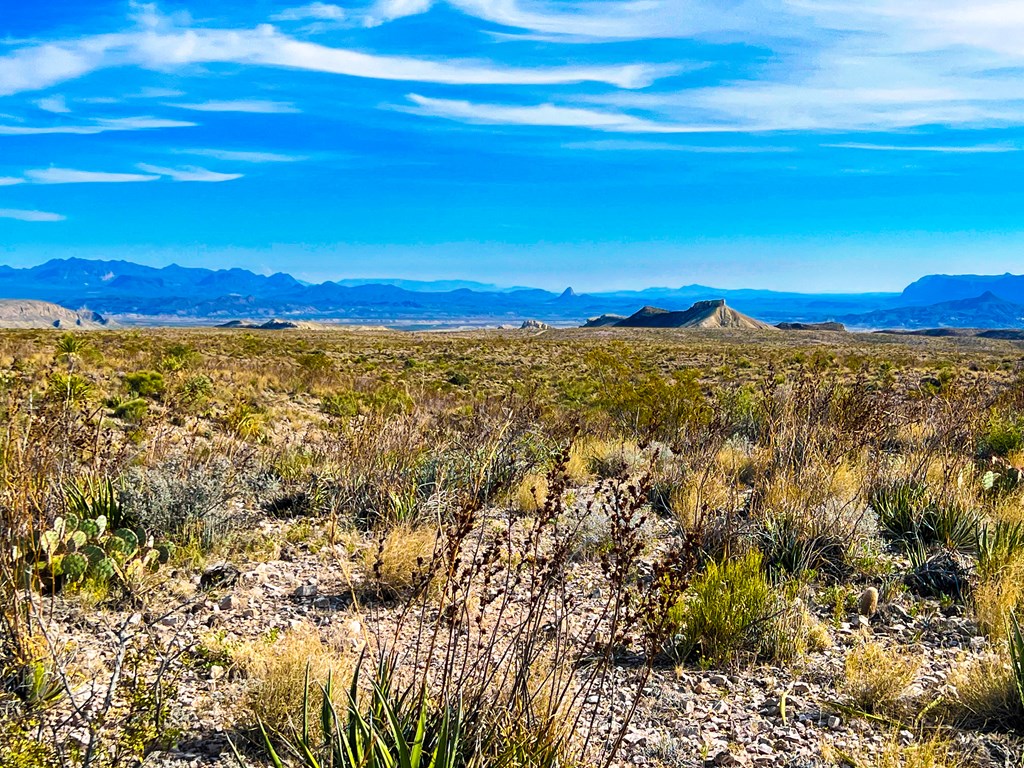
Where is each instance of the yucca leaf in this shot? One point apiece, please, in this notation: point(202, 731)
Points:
point(1016, 639)
point(270, 747)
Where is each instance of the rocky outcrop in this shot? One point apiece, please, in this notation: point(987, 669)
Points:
point(26, 313)
point(703, 314)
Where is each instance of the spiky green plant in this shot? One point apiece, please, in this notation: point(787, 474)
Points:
point(998, 546)
point(394, 729)
point(1016, 642)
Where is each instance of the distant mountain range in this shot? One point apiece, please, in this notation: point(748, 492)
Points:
point(133, 293)
point(984, 311)
point(934, 289)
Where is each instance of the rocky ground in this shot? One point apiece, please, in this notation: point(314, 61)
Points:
point(746, 716)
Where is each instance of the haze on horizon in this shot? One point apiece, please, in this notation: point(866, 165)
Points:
point(807, 145)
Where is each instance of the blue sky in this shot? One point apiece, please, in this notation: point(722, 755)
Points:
point(818, 145)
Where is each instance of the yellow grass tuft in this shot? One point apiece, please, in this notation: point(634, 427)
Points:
point(532, 492)
point(875, 677)
point(276, 671)
point(401, 560)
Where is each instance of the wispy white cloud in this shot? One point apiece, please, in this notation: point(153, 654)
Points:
point(242, 156)
point(318, 11)
point(549, 115)
point(255, 106)
point(828, 101)
point(72, 176)
point(99, 125)
point(619, 145)
point(150, 92)
point(8, 181)
point(24, 215)
point(189, 173)
point(612, 19)
point(56, 104)
point(162, 45)
point(388, 10)
point(943, 148)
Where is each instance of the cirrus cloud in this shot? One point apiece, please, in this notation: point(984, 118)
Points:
point(188, 173)
point(318, 11)
point(253, 106)
point(19, 214)
point(98, 125)
point(72, 176)
point(161, 45)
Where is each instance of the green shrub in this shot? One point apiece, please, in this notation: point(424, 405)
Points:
point(1004, 434)
point(133, 410)
point(641, 401)
point(728, 613)
point(148, 384)
point(195, 390)
point(458, 378)
point(178, 357)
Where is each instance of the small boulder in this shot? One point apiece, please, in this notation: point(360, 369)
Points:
point(945, 573)
point(868, 605)
point(220, 575)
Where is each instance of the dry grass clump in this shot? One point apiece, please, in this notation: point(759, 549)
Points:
point(935, 752)
point(986, 694)
point(402, 559)
point(276, 671)
point(693, 498)
point(875, 678)
point(996, 598)
point(532, 491)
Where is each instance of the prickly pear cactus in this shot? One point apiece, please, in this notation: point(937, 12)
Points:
point(74, 566)
point(77, 548)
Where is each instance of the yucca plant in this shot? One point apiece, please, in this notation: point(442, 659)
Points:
point(791, 547)
point(907, 512)
point(98, 499)
point(899, 507)
point(391, 730)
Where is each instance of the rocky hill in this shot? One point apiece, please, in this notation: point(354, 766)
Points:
point(26, 313)
point(703, 314)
